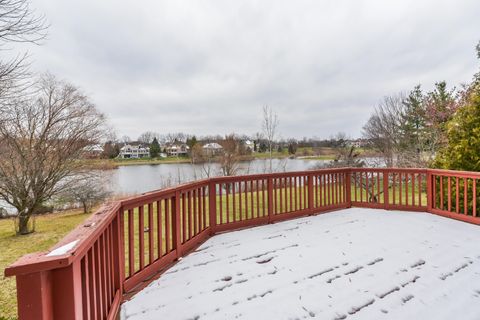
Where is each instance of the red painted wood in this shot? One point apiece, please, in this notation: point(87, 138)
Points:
point(258, 198)
point(34, 296)
point(420, 190)
point(114, 308)
point(168, 222)
point(85, 288)
point(457, 191)
point(474, 198)
point(270, 199)
point(240, 190)
point(212, 210)
point(393, 188)
point(92, 296)
point(159, 226)
point(413, 188)
point(386, 196)
point(220, 194)
point(400, 177)
point(151, 249)
point(204, 208)
point(441, 192)
point(141, 238)
point(252, 210)
point(406, 188)
point(234, 202)
point(98, 281)
point(190, 214)
point(108, 269)
point(176, 236)
point(92, 277)
point(449, 196)
point(461, 217)
point(103, 275)
point(131, 244)
point(200, 210)
point(119, 245)
point(430, 188)
point(184, 218)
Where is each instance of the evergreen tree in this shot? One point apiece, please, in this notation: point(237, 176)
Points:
point(191, 142)
point(154, 148)
point(414, 119)
point(462, 150)
point(463, 132)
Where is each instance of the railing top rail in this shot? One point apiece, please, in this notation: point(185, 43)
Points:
point(277, 175)
point(390, 169)
point(83, 236)
point(454, 173)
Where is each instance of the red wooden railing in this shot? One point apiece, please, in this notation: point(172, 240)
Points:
point(127, 243)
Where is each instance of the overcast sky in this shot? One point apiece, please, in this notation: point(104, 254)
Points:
point(208, 67)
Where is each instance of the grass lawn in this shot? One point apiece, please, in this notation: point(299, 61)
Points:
point(50, 229)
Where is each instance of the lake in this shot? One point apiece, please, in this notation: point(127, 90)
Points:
point(134, 179)
point(128, 180)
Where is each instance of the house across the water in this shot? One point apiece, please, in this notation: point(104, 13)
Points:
point(134, 151)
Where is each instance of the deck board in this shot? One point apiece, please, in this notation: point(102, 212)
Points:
point(350, 264)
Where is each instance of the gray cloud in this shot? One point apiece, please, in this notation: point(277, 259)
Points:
point(207, 67)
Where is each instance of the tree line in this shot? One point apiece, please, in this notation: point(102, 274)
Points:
point(438, 128)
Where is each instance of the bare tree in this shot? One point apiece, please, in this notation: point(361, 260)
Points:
point(125, 139)
point(269, 127)
point(176, 137)
point(41, 141)
point(383, 129)
point(197, 154)
point(229, 157)
point(148, 136)
point(88, 190)
point(18, 23)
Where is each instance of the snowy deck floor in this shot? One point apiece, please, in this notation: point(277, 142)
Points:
point(349, 264)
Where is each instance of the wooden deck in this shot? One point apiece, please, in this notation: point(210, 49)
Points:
point(350, 264)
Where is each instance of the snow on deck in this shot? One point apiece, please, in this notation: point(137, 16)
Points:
point(350, 264)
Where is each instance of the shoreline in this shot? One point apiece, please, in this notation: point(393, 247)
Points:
point(111, 164)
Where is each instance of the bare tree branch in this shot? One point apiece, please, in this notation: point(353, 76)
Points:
point(42, 141)
point(269, 127)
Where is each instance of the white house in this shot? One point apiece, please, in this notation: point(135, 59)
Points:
point(93, 151)
point(249, 145)
point(130, 151)
point(176, 150)
point(212, 148)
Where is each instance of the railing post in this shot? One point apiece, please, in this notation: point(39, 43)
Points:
point(34, 296)
point(119, 249)
point(429, 191)
point(67, 292)
point(270, 199)
point(176, 230)
point(310, 192)
point(348, 187)
point(51, 294)
point(386, 196)
point(212, 207)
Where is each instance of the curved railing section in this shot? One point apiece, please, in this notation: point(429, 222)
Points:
point(126, 244)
